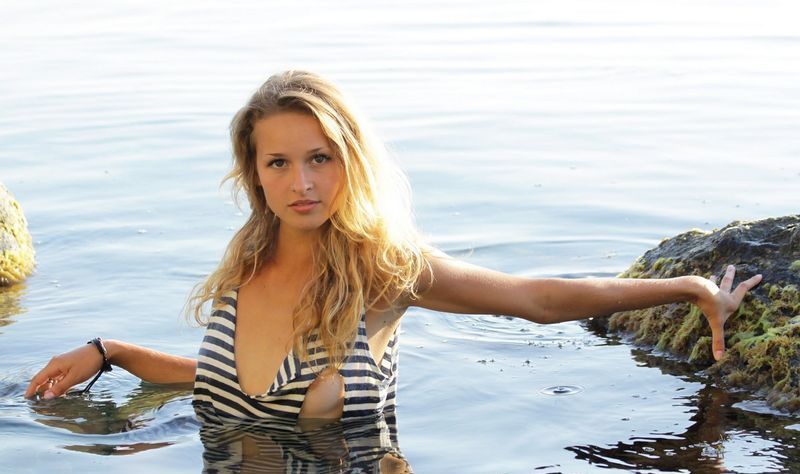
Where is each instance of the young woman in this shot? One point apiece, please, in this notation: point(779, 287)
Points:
point(309, 295)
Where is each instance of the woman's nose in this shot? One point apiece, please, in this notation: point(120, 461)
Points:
point(301, 181)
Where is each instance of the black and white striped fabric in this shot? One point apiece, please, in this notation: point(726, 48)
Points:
point(273, 445)
point(369, 387)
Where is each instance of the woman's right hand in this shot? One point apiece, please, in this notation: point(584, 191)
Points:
point(65, 371)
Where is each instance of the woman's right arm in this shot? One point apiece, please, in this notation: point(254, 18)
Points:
point(71, 368)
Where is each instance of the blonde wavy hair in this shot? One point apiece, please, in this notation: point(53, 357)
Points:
point(369, 252)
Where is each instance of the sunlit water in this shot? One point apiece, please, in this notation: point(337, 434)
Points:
point(541, 139)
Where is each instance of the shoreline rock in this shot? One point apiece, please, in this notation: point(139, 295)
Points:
point(17, 257)
point(762, 337)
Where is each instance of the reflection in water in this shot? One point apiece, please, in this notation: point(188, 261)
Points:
point(362, 446)
point(702, 447)
point(152, 417)
point(9, 303)
point(155, 416)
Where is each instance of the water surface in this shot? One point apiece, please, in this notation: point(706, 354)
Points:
point(540, 138)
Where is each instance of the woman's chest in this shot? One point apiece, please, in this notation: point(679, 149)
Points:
point(264, 333)
point(364, 383)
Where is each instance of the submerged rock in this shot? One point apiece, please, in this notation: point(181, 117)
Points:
point(762, 337)
point(16, 247)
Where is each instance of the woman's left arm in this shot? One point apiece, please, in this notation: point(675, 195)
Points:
point(458, 287)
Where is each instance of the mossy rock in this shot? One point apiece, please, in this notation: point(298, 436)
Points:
point(762, 337)
point(16, 247)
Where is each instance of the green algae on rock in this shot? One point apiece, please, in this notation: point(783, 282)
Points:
point(762, 337)
point(16, 247)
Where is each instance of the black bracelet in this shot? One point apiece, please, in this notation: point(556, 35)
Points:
point(100, 347)
point(106, 364)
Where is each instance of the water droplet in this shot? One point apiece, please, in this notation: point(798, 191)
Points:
point(562, 390)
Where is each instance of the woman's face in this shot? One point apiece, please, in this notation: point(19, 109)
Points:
point(297, 170)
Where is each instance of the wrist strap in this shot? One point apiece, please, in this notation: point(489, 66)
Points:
point(106, 364)
point(100, 347)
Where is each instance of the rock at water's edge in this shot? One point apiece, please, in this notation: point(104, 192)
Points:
point(16, 247)
point(762, 337)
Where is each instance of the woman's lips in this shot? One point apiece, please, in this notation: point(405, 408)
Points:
point(304, 206)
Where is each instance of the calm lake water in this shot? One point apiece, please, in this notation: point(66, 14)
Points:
point(541, 139)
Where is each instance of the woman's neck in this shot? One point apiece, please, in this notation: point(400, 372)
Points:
point(294, 250)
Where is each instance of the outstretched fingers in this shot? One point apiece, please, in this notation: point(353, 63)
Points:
point(728, 301)
point(717, 337)
point(727, 280)
point(745, 286)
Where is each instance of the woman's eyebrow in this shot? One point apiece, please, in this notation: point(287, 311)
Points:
point(281, 155)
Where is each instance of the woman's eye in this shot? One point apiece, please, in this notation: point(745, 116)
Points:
point(320, 158)
point(277, 163)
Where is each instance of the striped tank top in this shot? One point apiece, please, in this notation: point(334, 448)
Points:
point(369, 387)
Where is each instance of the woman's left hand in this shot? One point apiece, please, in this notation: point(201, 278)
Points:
point(718, 303)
